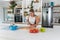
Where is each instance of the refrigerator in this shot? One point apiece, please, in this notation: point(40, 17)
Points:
point(47, 17)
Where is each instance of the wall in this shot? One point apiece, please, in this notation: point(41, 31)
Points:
point(4, 3)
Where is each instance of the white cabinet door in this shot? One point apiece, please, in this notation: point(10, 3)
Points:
point(1, 14)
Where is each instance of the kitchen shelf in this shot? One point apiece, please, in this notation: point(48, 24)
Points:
point(56, 9)
point(57, 6)
point(56, 23)
point(56, 12)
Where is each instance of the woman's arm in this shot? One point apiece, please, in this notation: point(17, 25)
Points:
point(37, 20)
point(28, 21)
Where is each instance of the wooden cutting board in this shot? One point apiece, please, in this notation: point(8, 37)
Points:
point(26, 28)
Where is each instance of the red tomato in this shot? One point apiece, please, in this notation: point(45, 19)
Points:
point(31, 31)
point(34, 31)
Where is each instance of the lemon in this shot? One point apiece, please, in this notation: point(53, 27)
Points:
point(42, 29)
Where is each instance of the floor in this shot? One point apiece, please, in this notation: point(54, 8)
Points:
point(50, 34)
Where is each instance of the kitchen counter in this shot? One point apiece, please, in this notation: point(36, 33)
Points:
point(50, 34)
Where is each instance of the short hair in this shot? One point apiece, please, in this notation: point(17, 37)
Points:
point(31, 10)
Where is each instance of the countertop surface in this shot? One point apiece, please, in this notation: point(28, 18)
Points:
point(50, 34)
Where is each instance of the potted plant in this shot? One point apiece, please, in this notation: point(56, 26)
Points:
point(31, 5)
point(13, 4)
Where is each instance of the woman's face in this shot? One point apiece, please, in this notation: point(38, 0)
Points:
point(31, 13)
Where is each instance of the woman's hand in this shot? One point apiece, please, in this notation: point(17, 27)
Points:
point(32, 25)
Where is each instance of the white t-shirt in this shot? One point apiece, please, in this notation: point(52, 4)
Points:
point(32, 20)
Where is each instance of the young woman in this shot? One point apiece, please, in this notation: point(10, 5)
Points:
point(32, 19)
